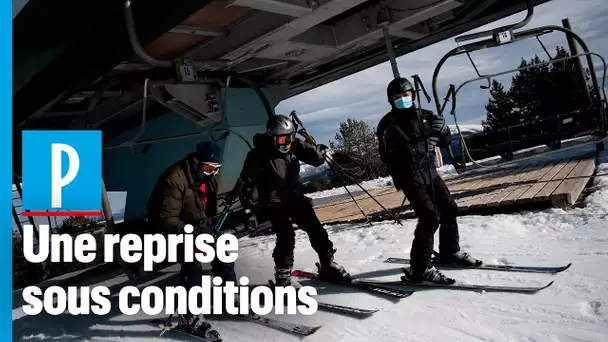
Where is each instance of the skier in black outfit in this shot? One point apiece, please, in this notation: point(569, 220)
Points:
point(407, 139)
point(273, 165)
point(186, 193)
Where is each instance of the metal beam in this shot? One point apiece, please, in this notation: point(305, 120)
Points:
point(479, 6)
point(79, 97)
point(274, 6)
point(41, 112)
point(64, 114)
point(362, 30)
point(365, 26)
point(259, 65)
point(246, 30)
point(132, 66)
point(108, 110)
point(199, 31)
point(408, 34)
point(292, 29)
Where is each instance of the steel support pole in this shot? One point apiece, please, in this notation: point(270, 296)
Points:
point(578, 65)
point(390, 50)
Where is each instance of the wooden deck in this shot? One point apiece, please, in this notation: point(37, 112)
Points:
point(543, 182)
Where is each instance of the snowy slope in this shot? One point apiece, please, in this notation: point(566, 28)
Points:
point(471, 129)
point(573, 309)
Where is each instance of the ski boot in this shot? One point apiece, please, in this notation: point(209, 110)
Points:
point(458, 258)
point(332, 271)
point(199, 326)
point(283, 278)
point(429, 275)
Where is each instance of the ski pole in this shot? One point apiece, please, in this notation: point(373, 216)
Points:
point(222, 218)
point(333, 162)
point(357, 204)
point(302, 131)
point(312, 140)
point(402, 204)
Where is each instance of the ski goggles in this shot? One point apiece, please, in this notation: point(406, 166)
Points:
point(210, 169)
point(283, 142)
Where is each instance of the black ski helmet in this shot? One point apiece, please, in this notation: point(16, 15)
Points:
point(399, 85)
point(283, 132)
point(280, 125)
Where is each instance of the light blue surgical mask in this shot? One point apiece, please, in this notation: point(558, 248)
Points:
point(403, 102)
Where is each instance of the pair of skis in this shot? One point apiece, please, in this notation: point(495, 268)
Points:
point(380, 286)
point(299, 329)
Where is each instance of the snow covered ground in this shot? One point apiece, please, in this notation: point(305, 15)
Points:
point(574, 308)
point(471, 129)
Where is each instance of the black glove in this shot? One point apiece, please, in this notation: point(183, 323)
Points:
point(322, 148)
point(437, 124)
point(433, 142)
point(233, 194)
point(246, 202)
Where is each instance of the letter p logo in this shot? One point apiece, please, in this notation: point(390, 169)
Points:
point(57, 180)
point(62, 171)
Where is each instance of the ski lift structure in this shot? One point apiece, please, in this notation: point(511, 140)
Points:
point(589, 122)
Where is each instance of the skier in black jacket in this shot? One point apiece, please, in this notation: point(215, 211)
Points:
point(407, 139)
point(273, 166)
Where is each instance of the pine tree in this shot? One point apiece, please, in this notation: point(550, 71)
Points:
point(537, 92)
point(530, 88)
point(566, 81)
point(500, 109)
point(356, 149)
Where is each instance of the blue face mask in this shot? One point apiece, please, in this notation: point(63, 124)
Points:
point(403, 102)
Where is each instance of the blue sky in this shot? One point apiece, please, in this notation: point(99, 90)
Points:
point(363, 95)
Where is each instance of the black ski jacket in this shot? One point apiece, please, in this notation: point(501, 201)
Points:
point(403, 138)
point(276, 175)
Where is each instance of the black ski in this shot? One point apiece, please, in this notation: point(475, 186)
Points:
point(299, 329)
point(495, 267)
point(365, 286)
point(350, 310)
point(463, 286)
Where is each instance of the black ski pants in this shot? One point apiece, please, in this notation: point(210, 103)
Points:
point(435, 209)
point(298, 210)
point(191, 272)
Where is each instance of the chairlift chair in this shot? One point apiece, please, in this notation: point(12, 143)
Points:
point(589, 121)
